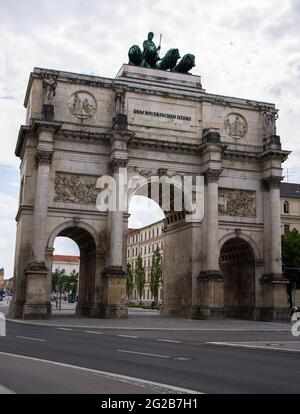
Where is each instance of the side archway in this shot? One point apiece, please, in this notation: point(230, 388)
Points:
point(237, 265)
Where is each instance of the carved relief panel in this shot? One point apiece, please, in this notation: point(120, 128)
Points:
point(75, 189)
point(237, 203)
point(83, 105)
point(236, 125)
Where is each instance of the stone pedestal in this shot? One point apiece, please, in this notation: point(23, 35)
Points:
point(48, 113)
point(275, 299)
point(114, 299)
point(37, 305)
point(211, 297)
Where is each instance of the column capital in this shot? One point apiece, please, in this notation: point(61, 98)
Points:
point(117, 163)
point(212, 175)
point(272, 182)
point(43, 158)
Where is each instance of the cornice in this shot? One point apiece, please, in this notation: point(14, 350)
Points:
point(162, 145)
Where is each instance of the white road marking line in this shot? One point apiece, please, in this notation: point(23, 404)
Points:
point(4, 390)
point(144, 354)
point(31, 339)
point(128, 336)
point(266, 348)
point(65, 329)
point(95, 333)
point(169, 340)
point(163, 388)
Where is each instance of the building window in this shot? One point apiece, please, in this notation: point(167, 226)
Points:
point(286, 228)
point(148, 296)
point(145, 250)
point(286, 207)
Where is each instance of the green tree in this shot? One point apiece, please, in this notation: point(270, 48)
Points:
point(71, 284)
point(59, 280)
point(140, 277)
point(291, 258)
point(129, 281)
point(156, 275)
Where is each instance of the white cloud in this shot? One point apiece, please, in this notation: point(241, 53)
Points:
point(8, 210)
point(143, 211)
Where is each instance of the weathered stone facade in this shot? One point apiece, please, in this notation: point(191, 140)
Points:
point(150, 121)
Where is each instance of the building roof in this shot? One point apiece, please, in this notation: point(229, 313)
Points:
point(290, 190)
point(146, 227)
point(66, 259)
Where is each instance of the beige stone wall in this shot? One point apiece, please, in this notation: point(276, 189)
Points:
point(292, 219)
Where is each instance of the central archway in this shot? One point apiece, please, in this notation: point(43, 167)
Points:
point(87, 268)
point(237, 265)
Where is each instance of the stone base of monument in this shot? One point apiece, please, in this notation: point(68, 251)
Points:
point(114, 302)
point(102, 311)
point(210, 296)
point(33, 312)
point(16, 310)
point(36, 304)
point(207, 312)
point(275, 299)
point(176, 311)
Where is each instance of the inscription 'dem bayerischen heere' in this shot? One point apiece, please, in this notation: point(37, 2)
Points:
point(162, 115)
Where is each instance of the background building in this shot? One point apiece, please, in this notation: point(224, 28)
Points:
point(68, 263)
point(290, 206)
point(144, 242)
point(1, 279)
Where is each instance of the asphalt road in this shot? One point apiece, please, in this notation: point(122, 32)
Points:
point(188, 362)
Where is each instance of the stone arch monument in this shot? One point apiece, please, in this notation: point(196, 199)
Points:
point(79, 128)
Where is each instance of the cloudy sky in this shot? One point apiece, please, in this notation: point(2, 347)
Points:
point(248, 48)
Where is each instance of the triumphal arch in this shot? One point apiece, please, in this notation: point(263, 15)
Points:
point(150, 121)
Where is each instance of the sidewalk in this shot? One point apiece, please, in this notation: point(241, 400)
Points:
point(139, 319)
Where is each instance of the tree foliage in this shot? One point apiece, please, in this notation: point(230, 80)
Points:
point(156, 275)
point(291, 257)
point(129, 281)
point(140, 277)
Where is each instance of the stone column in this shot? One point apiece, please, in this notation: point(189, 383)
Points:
point(212, 178)
point(275, 298)
point(43, 162)
point(114, 289)
point(210, 281)
point(275, 223)
point(37, 295)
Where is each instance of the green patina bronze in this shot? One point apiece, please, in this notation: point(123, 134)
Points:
point(186, 64)
point(135, 56)
point(150, 52)
point(169, 61)
point(149, 58)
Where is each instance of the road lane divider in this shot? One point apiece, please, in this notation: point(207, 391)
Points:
point(31, 339)
point(128, 336)
point(93, 332)
point(144, 354)
point(169, 341)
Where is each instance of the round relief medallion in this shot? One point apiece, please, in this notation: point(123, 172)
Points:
point(83, 105)
point(236, 125)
